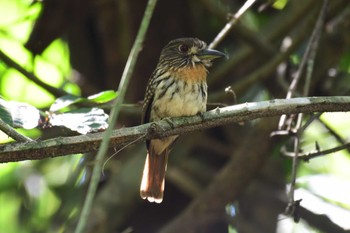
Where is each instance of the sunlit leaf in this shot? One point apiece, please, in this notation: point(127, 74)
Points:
point(64, 101)
point(53, 66)
point(330, 187)
point(10, 207)
point(326, 194)
point(68, 100)
point(26, 91)
point(57, 54)
point(280, 4)
point(103, 97)
point(295, 58)
point(22, 115)
point(84, 120)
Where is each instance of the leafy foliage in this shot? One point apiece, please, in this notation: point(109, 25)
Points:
point(81, 120)
point(84, 51)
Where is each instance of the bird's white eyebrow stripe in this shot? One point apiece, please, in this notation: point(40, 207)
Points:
point(193, 50)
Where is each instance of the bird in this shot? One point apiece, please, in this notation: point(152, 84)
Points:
point(177, 87)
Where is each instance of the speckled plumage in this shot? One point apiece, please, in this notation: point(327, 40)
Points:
point(176, 88)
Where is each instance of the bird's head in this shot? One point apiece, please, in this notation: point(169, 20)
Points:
point(188, 52)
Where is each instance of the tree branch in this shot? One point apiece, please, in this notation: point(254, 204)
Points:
point(313, 154)
point(221, 116)
point(11, 63)
point(11, 132)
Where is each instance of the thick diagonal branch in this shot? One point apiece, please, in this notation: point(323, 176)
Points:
point(221, 116)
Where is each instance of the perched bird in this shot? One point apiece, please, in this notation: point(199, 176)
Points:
point(176, 88)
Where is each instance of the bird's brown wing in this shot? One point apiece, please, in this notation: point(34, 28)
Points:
point(153, 179)
point(147, 105)
point(146, 112)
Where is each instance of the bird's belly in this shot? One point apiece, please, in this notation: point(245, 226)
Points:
point(180, 99)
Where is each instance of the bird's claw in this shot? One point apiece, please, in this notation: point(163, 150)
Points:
point(170, 122)
point(201, 115)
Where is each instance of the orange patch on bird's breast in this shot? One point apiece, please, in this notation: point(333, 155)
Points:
point(192, 74)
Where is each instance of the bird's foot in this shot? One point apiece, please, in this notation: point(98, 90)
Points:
point(201, 115)
point(170, 122)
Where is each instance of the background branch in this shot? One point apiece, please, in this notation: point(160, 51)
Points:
point(311, 155)
point(32, 77)
point(307, 61)
point(227, 185)
point(222, 34)
point(123, 85)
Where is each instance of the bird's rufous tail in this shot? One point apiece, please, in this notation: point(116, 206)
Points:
point(153, 178)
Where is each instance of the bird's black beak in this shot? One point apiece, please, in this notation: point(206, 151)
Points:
point(210, 54)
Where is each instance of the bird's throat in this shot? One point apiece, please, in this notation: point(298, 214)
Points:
point(196, 73)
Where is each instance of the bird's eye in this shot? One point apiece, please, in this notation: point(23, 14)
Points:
point(183, 48)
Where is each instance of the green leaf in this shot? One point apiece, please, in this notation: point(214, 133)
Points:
point(103, 97)
point(68, 100)
point(83, 120)
point(19, 114)
point(345, 63)
point(64, 101)
point(5, 113)
point(280, 4)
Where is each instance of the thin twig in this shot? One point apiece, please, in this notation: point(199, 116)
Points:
point(308, 60)
point(310, 51)
point(309, 121)
point(314, 42)
point(222, 34)
point(242, 32)
point(310, 155)
point(292, 21)
point(337, 137)
point(11, 132)
point(128, 70)
point(291, 201)
point(11, 63)
point(264, 71)
point(120, 149)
